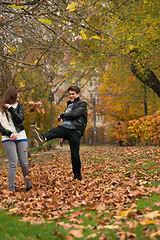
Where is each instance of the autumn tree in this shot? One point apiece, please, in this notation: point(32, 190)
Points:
point(123, 32)
point(127, 99)
point(95, 34)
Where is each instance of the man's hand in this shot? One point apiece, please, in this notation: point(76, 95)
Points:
point(61, 142)
point(59, 118)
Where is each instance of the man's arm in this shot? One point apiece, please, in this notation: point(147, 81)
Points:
point(78, 111)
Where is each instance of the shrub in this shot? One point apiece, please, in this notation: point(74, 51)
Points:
point(144, 130)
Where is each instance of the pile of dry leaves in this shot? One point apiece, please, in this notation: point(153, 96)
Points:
point(113, 177)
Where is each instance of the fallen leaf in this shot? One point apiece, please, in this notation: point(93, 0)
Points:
point(152, 215)
point(155, 234)
point(77, 233)
point(112, 226)
point(147, 222)
point(13, 210)
point(93, 235)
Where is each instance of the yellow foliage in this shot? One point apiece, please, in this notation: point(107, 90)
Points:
point(72, 6)
point(47, 21)
point(83, 35)
point(95, 37)
point(18, 7)
point(22, 85)
point(12, 49)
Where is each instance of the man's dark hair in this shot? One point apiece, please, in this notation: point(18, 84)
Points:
point(74, 88)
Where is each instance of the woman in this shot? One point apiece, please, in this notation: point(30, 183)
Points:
point(14, 139)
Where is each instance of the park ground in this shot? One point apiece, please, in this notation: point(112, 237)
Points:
point(118, 197)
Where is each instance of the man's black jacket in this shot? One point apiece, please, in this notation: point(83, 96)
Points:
point(77, 116)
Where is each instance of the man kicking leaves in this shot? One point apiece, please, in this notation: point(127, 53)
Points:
point(74, 121)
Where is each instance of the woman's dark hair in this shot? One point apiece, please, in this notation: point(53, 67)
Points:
point(74, 88)
point(9, 96)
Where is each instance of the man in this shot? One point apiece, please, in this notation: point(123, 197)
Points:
point(74, 121)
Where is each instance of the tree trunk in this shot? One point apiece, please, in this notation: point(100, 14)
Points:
point(5, 73)
point(149, 79)
point(5, 76)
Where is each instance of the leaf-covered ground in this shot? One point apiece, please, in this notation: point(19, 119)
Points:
point(114, 178)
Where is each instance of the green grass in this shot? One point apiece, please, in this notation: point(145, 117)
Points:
point(40, 148)
point(144, 203)
point(12, 228)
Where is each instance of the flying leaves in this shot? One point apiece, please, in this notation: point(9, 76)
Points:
point(32, 106)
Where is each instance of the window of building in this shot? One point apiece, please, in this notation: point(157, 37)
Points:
point(78, 83)
point(90, 83)
point(99, 118)
point(95, 82)
point(56, 98)
point(96, 96)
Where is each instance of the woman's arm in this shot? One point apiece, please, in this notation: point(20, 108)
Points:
point(5, 131)
point(17, 113)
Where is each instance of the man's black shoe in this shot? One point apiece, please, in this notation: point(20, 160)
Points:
point(77, 178)
point(28, 188)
